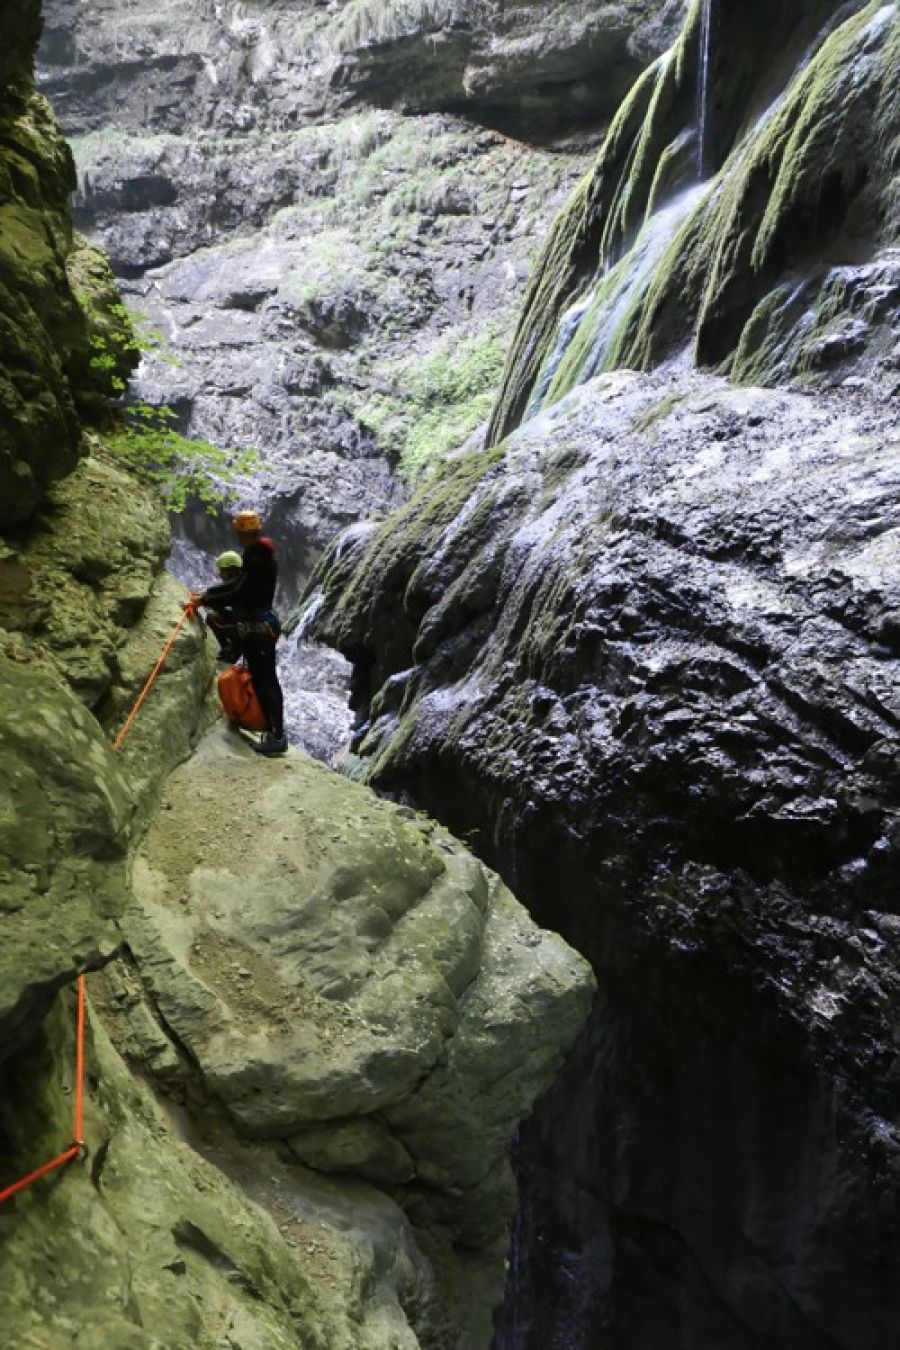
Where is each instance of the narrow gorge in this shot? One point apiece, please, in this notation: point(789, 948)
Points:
point(547, 997)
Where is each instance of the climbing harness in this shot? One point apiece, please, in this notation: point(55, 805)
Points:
point(78, 1148)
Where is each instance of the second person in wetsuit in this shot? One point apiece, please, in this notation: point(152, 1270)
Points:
point(250, 596)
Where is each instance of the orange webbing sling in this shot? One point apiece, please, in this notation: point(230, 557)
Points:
point(77, 1148)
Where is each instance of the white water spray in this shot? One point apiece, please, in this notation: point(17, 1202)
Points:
point(615, 294)
point(703, 103)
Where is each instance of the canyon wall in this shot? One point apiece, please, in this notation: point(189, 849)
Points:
point(314, 1020)
point(329, 213)
point(643, 648)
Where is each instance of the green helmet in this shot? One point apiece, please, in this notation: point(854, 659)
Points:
point(228, 559)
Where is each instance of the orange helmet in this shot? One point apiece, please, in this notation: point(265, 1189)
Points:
point(245, 522)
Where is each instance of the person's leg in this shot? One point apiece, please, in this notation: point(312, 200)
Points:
point(259, 654)
point(224, 630)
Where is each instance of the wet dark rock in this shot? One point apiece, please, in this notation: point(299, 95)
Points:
point(530, 71)
point(638, 653)
point(743, 210)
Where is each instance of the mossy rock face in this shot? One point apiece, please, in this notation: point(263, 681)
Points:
point(348, 984)
point(49, 371)
point(39, 433)
point(780, 267)
point(62, 831)
point(83, 616)
point(151, 1245)
point(331, 961)
point(45, 340)
point(99, 366)
point(647, 657)
point(81, 578)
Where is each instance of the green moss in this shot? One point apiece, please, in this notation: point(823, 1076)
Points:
point(373, 593)
point(40, 323)
point(608, 205)
point(657, 412)
point(368, 22)
point(814, 134)
point(435, 402)
point(568, 261)
point(826, 150)
point(720, 276)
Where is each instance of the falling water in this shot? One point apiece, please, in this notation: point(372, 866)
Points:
point(703, 104)
point(616, 293)
point(314, 680)
point(307, 616)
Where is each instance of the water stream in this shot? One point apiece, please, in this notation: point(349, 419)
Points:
point(703, 90)
point(596, 319)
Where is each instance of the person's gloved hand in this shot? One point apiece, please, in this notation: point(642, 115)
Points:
point(193, 602)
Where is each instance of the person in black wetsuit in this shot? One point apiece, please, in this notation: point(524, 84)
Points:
point(221, 622)
point(249, 596)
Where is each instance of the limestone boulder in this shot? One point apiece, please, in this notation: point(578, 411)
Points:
point(148, 1243)
point(345, 976)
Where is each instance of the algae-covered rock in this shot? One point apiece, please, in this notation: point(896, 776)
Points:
point(83, 574)
point(745, 209)
point(645, 653)
point(366, 1003)
point(62, 834)
point(39, 434)
point(101, 365)
point(327, 958)
point(64, 347)
point(148, 1245)
point(181, 700)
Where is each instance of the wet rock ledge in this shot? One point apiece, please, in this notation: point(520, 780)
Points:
point(323, 1022)
point(645, 652)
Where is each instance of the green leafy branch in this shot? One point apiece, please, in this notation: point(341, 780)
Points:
point(179, 467)
point(143, 436)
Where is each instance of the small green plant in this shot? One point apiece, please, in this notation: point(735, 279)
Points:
point(179, 467)
point(434, 403)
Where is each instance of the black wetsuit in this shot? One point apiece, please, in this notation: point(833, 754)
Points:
point(249, 596)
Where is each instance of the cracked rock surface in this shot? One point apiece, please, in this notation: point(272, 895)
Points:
point(646, 652)
point(326, 959)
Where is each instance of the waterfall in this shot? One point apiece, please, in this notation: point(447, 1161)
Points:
point(703, 94)
point(596, 319)
point(303, 622)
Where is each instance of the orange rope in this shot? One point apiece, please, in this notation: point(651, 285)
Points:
point(188, 614)
point(66, 1157)
point(78, 1137)
point(77, 1149)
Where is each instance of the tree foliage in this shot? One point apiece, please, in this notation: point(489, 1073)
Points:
point(144, 435)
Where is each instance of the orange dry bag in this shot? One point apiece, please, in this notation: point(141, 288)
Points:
point(239, 699)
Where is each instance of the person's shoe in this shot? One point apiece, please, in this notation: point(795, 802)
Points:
point(271, 745)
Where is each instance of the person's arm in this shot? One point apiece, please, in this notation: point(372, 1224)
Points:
point(225, 593)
